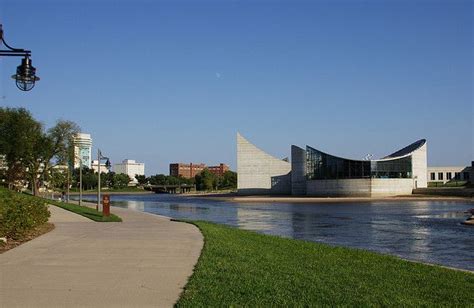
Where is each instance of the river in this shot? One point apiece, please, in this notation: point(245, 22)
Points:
point(426, 231)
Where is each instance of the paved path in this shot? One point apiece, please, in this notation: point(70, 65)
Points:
point(144, 261)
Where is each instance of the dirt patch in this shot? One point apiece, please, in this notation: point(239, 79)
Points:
point(44, 228)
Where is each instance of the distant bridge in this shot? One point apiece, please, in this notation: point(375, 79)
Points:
point(169, 189)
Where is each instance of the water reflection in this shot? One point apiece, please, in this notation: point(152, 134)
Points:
point(428, 231)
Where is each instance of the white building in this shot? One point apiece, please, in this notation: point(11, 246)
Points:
point(448, 174)
point(131, 168)
point(315, 173)
point(103, 167)
point(82, 150)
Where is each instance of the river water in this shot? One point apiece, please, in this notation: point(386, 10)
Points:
point(427, 231)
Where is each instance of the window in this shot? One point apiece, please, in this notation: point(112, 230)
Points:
point(321, 166)
point(440, 176)
point(433, 176)
point(466, 176)
point(457, 175)
point(448, 176)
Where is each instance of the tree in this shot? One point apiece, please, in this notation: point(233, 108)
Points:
point(205, 180)
point(121, 180)
point(229, 180)
point(141, 179)
point(21, 141)
point(28, 150)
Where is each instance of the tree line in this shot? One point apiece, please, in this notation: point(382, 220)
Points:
point(206, 180)
point(34, 156)
point(29, 151)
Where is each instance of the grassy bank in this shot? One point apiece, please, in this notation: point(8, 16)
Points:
point(242, 268)
point(85, 211)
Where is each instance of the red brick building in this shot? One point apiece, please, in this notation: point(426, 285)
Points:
point(190, 170)
point(219, 170)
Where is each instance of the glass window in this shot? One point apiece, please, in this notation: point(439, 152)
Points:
point(448, 176)
point(466, 176)
point(432, 176)
point(457, 175)
point(440, 176)
point(324, 166)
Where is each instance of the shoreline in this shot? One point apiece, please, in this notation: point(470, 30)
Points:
point(293, 199)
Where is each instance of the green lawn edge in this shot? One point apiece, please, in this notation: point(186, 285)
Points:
point(244, 268)
point(85, 211)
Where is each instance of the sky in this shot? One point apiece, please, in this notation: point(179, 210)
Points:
point(174, 81)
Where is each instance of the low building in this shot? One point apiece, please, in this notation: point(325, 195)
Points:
point(131, 168)
point(190, 170)
point(447, 174)
point(103, 167)
point(315, 173)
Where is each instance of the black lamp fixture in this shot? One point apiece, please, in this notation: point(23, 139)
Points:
point(25, 76)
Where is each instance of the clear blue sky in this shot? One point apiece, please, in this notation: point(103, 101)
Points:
point(173, 81)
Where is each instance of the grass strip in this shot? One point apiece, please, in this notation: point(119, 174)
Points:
point(85, 211)
point(243, 268)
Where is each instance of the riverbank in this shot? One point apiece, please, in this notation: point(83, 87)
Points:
point(304, 199)
point(243, 268)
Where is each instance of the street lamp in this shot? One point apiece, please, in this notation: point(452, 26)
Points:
point(107, 165)
point(25, 76)
point(80, 180)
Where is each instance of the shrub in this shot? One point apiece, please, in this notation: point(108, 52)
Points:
point(20, 214)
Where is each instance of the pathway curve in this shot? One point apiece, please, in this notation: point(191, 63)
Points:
point(144, 261)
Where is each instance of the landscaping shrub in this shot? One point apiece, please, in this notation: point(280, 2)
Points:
point(19, 214)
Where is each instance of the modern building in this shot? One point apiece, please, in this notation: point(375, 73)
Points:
point(315, 173)
point(190, 170)
point(82, 150)
point(103, 167)
point(447, 174)
point(131, 168)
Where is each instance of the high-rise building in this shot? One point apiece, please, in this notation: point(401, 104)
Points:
point(131, 168)
point(82, 150)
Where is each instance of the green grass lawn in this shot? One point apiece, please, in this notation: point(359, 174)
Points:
point(85, 211)
point(243, 268)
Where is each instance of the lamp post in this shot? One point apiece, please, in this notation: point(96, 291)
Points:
point(107, 165)
point(25, 76)
point(80, 180)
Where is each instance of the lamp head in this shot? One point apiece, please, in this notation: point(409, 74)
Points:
point(25, 75)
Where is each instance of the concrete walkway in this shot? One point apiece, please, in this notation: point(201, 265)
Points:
point(144, 261)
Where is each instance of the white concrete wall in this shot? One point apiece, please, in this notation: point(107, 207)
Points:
point(359, 187)
point(338, 188)
point(419, 167)
point(391, 187)
point(259, 172)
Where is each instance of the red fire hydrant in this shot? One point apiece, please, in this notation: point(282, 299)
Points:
point(106, 205)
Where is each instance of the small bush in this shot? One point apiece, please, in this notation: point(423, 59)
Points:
point(19, 214)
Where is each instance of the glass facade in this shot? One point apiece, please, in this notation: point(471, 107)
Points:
point(322, 166)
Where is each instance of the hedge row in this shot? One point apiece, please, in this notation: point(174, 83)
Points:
point(19, 214)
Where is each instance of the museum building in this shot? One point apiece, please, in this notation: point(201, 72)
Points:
point(315, 173)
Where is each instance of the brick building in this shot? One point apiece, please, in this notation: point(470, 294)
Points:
point(219, 170)
point(191, 170)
